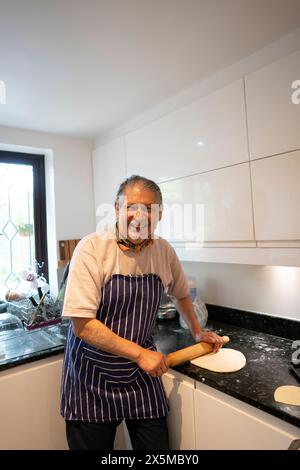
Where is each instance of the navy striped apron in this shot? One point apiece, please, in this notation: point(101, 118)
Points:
point(98, 386)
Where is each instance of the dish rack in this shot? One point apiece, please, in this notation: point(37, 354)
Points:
point(47, 312)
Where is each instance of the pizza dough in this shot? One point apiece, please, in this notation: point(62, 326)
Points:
point(225, 360)
point(288, 394)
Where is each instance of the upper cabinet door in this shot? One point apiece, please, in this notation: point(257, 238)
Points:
point(109, 172)
point(210, 133)
point(276, 197)
point(211, 207)
point(272, 109)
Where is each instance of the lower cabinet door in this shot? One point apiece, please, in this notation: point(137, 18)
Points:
point(122, 439)
point(223, 422)
point(29, 407)
point(180, 390)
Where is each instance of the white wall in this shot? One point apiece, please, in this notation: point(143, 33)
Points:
point(273, 290)
point(69, 184)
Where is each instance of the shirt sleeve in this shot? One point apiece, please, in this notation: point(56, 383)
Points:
point(84, 284)
point(178, 287)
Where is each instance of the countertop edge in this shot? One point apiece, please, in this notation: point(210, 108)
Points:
point(33, 357)
point(256, 404)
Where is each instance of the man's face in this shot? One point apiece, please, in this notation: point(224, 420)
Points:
point(138, 213)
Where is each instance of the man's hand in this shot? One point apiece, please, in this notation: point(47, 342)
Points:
point(209, 337)
point(155, 363)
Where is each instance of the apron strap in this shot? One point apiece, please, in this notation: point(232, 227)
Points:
point(117, 267)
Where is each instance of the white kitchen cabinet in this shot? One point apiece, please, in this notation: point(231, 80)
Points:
point(122, 440)
point(225, 423)
point(273, 119)
point(209, 133)
point(261, 256)
point(276, 196)
point(180, 392)
point(109, 172)
point(214, 207)
point(29, 407)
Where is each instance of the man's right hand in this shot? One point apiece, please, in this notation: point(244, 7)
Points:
point(153, 362)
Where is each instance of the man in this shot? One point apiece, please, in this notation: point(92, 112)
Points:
point(111, 369)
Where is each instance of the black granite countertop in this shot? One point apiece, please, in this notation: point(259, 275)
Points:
point(22, 347)
point(268, 355)
point(267, 366)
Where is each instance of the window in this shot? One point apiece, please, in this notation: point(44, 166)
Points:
point(23, 236)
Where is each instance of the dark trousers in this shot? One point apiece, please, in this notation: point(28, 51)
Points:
point(145, 434)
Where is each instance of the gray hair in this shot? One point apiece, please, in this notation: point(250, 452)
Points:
point(141, 181)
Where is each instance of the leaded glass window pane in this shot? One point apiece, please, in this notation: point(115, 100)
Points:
point(17, 244)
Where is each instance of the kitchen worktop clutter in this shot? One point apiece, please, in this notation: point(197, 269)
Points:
point(31, 302)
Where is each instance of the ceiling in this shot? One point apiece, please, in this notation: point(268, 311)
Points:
point(83, 67)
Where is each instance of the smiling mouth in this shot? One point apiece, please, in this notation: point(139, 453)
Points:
point(138, 226)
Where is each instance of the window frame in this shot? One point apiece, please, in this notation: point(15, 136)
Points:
point(37, 161)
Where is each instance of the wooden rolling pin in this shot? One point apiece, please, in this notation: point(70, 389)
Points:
point(187, 354)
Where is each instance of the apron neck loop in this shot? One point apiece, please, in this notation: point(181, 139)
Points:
point(151, 262)
point(117, 265)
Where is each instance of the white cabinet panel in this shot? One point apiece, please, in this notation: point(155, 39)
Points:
point(210, 133)
point(29, 407)
point(109, 172)
point(122, 440)
point(180, 390)
point(264, 256)
point(224, 423)
point(215, 206)
point(273, 119)
point(276, 197)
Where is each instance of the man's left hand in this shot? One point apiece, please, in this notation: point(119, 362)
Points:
point(209, 337)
